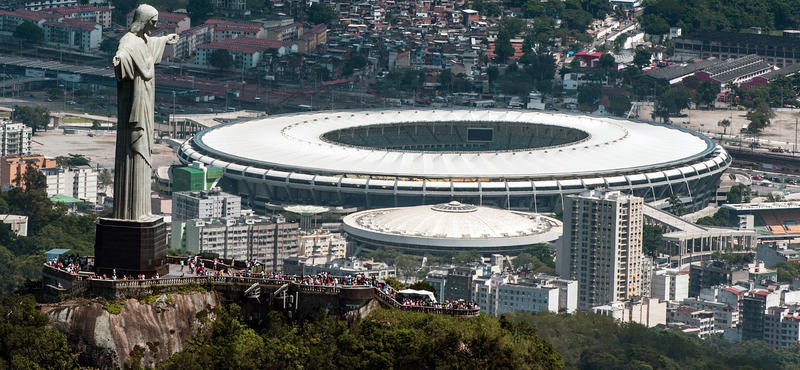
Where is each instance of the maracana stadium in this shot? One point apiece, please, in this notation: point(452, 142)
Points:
point(512, 159)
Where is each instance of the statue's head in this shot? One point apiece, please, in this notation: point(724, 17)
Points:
point(144, 19)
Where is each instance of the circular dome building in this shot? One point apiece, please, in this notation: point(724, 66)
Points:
point(511, 159)
point(449, 228)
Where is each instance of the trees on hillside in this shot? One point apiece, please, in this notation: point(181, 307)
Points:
point(199, 10)
point(319, 13)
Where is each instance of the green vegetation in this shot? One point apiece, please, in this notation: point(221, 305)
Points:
point(25, 340)
point(29, 32)
point(49, 226)
point(386, 339)
point(587, 341)
point(718, 15)
point(721, 218)
point(787, 271)
point(739, 193)
point(319, 13)
point(651, 239)
point(36, 117)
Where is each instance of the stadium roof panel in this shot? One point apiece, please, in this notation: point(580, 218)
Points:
point(295, 143)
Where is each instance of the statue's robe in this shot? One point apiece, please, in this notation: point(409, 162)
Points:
point(136, 97)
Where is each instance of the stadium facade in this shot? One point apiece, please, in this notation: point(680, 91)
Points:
point(522, 160)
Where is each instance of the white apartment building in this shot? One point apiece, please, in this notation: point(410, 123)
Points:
point(602, 246)
point(701, 319)
point(725, 316)
point(188, 205)
point(40, 4)
point(670, 285)
point(77, 181)
point(497, 295)
point(15, 138)
point(646, 311)
point(782, 326)
point(322, 243)
point(257, 238)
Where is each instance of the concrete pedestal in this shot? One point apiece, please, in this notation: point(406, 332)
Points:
point(131, 247)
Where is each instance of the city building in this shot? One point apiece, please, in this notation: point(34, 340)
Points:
point(339, 267)
point(226, 30)
point(35, 5)
point(670, 285)
point(269, 241)
point(381, 158)
point(188, 205)
point(754, 309)
point(311, 38)
point(19, 224)
point(602, 246)
point(712, 273)
point(699, 318)
point(73, 34)
point(448, 228)
point(15, 138)
point(459, 283)
point(649, 312)
point(685, 242)
point(12, 168)
point(88, 13)
point(725, 316)
point(497, 294)
point(782, 326)
point(322, 243)
point(777, 50)
point(773, 253)
point(79, 182)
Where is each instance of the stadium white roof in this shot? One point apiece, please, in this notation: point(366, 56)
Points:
point(452, 223)
point(294, 143)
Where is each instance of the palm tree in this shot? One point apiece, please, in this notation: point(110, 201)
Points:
point(676, 205)
point(725, 123)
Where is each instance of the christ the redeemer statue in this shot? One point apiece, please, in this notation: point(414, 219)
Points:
point(134, 67)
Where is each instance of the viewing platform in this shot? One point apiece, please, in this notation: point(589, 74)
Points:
point(293, 295)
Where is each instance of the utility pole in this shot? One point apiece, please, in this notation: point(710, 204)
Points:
point(174, 124)
point(795, 137)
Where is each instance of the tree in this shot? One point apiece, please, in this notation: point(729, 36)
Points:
point(72, 160)
point(739, 193)
point(619, 42)
point(105, 179)
point(642, 58)
point(724, 123)
point(465, 257)
point(707, 93)
point(199, 10)
point(492, 72)
point(588, 94)
point(29, 31)
point(620, 104)
point(676, 205)
point(36, 117)
point(674, 100)
point(502, 46)
point(513, 25)
point(607, 61)
point(221, 59)
point(357, 61)
point(109, 45)
point(55, 93)
point(319, 13)
point(759, 118)
point(654, 25)
point(651, 239)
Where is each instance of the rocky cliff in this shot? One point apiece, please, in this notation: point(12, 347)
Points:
point(146, 333)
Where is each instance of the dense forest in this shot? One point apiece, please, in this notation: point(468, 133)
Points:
point(391, 339)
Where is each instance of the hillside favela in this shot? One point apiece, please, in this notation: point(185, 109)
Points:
point(400, 184)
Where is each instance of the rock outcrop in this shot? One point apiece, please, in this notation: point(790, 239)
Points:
point(143, 333)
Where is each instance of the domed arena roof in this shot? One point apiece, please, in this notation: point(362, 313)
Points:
point(450, 227)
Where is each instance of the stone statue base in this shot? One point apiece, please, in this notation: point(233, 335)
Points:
point(131, 247)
